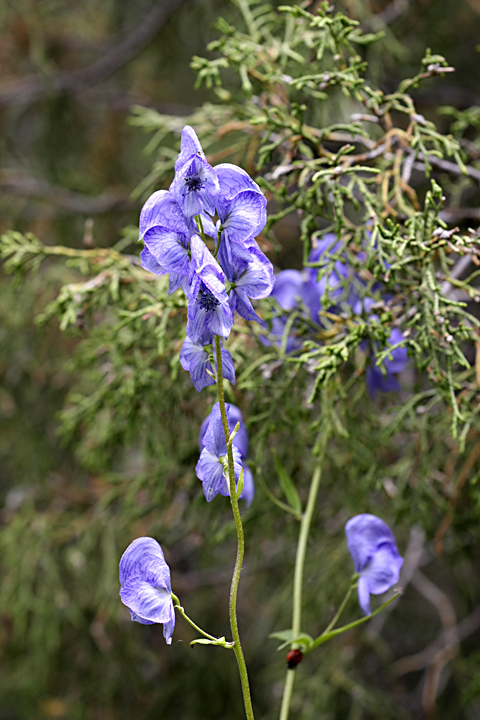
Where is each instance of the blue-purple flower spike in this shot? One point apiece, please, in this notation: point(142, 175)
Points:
point(375, 556)
point(145, 585)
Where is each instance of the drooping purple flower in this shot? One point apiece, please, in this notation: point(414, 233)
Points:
point(288, 288)
point(165, 232)
point(169, 248)
point(288, 292)
point(242, 216)
point(212, 468)
point(375, 556)
point(246, 216)
point(145, 586)
point(195, 185)
point(251, 275)
point(195, 359)
point(241, 438)
point(240, 441)
point(162, 209)
point(208, 308)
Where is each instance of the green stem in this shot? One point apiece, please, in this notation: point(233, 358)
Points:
point(340, 610)
point(325, 636)
point(176, 604)
point(217, 243)
point(199, 222)
point(298, 579)
point(240, 540)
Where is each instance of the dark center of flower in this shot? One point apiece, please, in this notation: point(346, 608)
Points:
point(193, 183)
point(207, 300)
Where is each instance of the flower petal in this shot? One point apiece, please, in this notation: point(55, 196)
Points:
point(248, 491)
point(209, 470)
point(169, 247)
point(365, 533)
point(364, 595)
point(162, 209)
point(244, 216)
point(233, 180)
point(148, 602)
point(141, 549)
point(194, 358)
point(189, 146)
point(383, 570)
point(150, 263)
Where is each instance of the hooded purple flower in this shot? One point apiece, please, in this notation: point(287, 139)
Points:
point(251, 275)
point(208, 308)
point(165, 232)
point(195, 359)
point(195, 185)
point(241, 205)
point(240, 441)
point(145, 585)
point(212, 468)
point(375, 556)
point(288, 291)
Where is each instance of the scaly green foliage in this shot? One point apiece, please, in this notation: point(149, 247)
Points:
point(333, 153)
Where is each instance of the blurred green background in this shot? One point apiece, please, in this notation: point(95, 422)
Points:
point(71, 161)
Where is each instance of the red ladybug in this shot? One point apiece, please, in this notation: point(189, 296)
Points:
point(293, 658)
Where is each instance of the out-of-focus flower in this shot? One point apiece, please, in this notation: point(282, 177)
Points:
point(385, 382)
point(145, 585)
point(375, 556)
point(212, 468)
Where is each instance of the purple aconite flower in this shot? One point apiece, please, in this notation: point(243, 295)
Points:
point(240, 441)
point(195, 186)
point(145, 585)
point(241, 205)
point(251, 275)
point(208, 308)
point(375, 556)
point(165, 232)
point(195, 359)
point(212, 468)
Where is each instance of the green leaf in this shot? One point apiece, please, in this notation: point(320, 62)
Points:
point(304, 639)
point(205, 641)
point(240, 485)
point(287, 485)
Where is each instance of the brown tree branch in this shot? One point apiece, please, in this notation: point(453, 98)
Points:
point(37, 86)
point(65, 199)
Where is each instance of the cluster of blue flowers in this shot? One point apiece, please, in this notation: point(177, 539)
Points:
point(202, 233)
point(223, 206)
point(295, 290)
